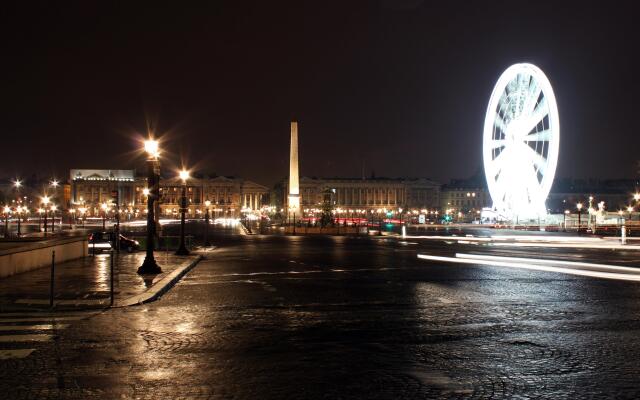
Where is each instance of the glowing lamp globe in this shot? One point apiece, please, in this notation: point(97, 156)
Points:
point(521, 141)
point(151, 147)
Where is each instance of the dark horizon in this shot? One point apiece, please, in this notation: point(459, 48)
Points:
point(399, 86)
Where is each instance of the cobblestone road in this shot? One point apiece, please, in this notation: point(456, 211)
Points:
point(326, 318)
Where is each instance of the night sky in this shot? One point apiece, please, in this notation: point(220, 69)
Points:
point(401, 86)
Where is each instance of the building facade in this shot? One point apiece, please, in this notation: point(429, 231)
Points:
point(464, 199)
point(368, 194)
point(617, 194)
point(228, 196)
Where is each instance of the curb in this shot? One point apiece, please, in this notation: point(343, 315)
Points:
point(164, 285)
point(245, 229)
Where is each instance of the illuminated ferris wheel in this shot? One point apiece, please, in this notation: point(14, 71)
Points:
point(521, 142)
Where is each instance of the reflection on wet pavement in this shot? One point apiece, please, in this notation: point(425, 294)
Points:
point(317, 318)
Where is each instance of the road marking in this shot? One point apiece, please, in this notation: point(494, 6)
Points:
point(25, 338)
point(43, 322)
point(40, 319)
point(445, 300)
point(43, 327)
point(15, 353)
point(74, 302)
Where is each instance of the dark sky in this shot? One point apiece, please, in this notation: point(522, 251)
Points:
point(400, 85)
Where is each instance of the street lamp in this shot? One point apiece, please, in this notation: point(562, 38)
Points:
point(207, 203)
point(104, 207)
point(18, 212)
point(564, 219)
point(579, 207)
point(636, 198)
point(53, 217)
point(7, 211)
point(72, 217)
point(149, 266)
point(45, 202)
point(182, 249)
point(40, 211)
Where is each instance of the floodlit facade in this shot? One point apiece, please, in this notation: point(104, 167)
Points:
point(369, 194)
point(229, 196)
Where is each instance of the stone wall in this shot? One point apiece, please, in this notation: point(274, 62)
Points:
point(27, 256)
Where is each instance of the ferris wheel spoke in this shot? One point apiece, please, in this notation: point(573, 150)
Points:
point(532, 183)
point(542, 136)
point(532, 98)
point(498, 163)
point(503, 107)
point(500, 124)
point(497, 143)
point(536, 159)
point(536, 117)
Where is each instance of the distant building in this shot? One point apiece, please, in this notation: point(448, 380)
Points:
point(617, 194)
point(368, 194)
point(465, 198)
point(228, 195)
point(92, 187)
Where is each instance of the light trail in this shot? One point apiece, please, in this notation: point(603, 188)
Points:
point(548, 261)
point(536, 241)
point(535, 267)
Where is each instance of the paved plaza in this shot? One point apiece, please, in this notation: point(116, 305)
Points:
point(86, 282)
point(337, 317)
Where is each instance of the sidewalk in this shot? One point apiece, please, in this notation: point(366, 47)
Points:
point(85, 283)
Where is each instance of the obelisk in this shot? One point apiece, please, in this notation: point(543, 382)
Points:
point(294, 182)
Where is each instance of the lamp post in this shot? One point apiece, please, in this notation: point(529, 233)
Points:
point(564, 219)
point(45, 202)
point(53, 217)
point(579, 207)
point(54, 184)
point(18, 212)
point(72, 218)
point(182, 249)
point(104, 207)
point(207, 203)
point(83, 211)
point(7, 210)
point(149, 265)
point(40, 211)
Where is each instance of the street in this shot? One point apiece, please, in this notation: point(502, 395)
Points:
point(271, 317)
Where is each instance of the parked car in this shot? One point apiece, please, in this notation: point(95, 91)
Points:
point(105, 241)
point(129, 244)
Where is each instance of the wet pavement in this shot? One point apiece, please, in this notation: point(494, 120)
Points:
point(326, 318)
point(85, 282)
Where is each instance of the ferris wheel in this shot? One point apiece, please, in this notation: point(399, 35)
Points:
point(521, 142)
